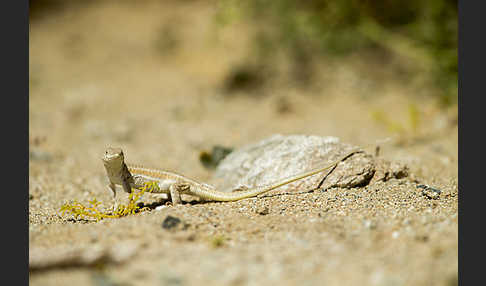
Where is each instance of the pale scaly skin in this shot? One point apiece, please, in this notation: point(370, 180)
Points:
point(172, 184)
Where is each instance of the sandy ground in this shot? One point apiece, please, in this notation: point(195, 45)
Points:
point(98, 78)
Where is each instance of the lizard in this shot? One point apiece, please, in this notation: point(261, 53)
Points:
point(135, 177)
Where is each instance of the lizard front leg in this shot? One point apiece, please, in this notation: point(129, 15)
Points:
point(126, 187)
point(112, 187)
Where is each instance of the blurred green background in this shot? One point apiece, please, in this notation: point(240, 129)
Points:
point(421, 36)
point(414, 40)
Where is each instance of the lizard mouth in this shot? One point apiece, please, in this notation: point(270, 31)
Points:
point(110, 159)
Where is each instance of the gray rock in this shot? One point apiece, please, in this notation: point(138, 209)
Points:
point(174, 223)
point(429, 192)
point(279, 157)
point(170, 222)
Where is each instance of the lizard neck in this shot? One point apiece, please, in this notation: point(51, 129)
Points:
point(118, 174)
point(125, 174)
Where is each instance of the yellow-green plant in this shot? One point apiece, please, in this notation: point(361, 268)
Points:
point(218, 241)
point(413, 117)
point(92, 210)
point(398, 127)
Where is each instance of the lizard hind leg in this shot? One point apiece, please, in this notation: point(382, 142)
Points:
point(175, 191)
point(126, 186)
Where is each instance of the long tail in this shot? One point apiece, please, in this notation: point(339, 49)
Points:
point(235, 196)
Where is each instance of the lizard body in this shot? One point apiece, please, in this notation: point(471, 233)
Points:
point(133, 176)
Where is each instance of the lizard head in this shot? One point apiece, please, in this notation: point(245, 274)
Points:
point(113, 158)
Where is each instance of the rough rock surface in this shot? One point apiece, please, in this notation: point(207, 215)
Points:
point(279, 157)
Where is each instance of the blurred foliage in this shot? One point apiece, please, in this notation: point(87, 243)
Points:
point(43, 8)
point(245, 77)
point(422, 32)
point(393, 126)
point(211, 160)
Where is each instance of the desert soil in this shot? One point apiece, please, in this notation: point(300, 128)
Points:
point(99, 77)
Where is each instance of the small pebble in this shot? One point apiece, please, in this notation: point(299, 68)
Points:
point(263, 210)
point(171, 222)
point(38, 155)
point(369, 224)
point(429, 192)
